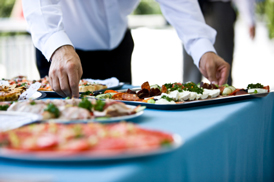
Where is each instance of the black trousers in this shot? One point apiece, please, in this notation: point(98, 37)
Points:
point(100, 64)
point(220, 16)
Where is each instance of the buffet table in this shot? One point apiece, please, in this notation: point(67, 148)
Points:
point(222, 142)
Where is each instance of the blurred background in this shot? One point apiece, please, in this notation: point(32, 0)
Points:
point(157, 55)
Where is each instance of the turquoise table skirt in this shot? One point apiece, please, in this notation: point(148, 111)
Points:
point(223, 142)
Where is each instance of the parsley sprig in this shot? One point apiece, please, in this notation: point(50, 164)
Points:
point(257, 85)
point(167, 98)
point(192, 87)
point(53, 109)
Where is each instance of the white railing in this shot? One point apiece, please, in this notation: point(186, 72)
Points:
point(17, 57)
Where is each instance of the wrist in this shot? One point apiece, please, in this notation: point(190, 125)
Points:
point(61, 51)
point(204, 57)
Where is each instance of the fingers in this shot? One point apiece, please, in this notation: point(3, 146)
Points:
point(211, 72)
point(74, 84)
point(64, 84)
point(252, 31)
point(214, 68)
point(224, 73)
point(55, 85)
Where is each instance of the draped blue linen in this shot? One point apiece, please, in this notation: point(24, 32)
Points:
point(222, 142)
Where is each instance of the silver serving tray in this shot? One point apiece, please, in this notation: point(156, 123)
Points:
point(195, 103)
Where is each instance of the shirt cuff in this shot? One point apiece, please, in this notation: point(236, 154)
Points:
point(199, 48)
point(55, 41)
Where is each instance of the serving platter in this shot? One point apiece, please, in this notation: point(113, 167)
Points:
point(66, 156)
point(54, 94)
point(195, 103)
point(100, 120)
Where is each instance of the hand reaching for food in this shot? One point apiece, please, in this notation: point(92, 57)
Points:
point(65, 71)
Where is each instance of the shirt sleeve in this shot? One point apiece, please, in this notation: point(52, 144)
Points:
point(186, 17)
point(44, 18)
point(247, 10)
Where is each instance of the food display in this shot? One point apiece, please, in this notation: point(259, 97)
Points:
point(11, 93)
point(71, 127)
point(75, 109)
point(85, 86)
point(180, 93)
point(93, 139)
point(45, 86)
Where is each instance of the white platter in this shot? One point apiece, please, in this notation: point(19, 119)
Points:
point(86, 156)
point(105, 120)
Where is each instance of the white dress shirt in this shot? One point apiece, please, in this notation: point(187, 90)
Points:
point(101, 24)
point(246, 9)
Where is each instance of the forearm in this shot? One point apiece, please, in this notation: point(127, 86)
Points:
point(187, 19)
point(44, 18)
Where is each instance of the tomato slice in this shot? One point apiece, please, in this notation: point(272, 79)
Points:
point(111, 144)
point(179, 84)
point(76, 145)
point(110, 91)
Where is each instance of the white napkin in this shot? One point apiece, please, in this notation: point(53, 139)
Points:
point(11, 120)
point(30, 91)
point(110, 82)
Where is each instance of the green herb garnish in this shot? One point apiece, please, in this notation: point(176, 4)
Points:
point(255, 92)
point(23, 85)
point(85, 103)
point(192, 87)
point(99, 106)
point(4, 107)
point(176, 86)
point(168, 85)
point(167, 98)
point(257, 85)
point(165, 143)
point(32, 103)
point(86, 93)
point(53, 109)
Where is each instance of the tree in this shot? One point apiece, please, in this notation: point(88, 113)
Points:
point(6, 7)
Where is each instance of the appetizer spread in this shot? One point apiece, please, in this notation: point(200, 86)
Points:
point(45, 86)
point(74, 109)
point(176, 93)
point(92, 139)
point(11, 93)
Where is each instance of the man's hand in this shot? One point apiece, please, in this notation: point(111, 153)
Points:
point(214, 68)
point(65, 71)
point(252, 31)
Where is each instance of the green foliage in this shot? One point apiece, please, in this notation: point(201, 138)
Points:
point(147, 7)
point(6, 7)
point(266, 8)
point(269, 11)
